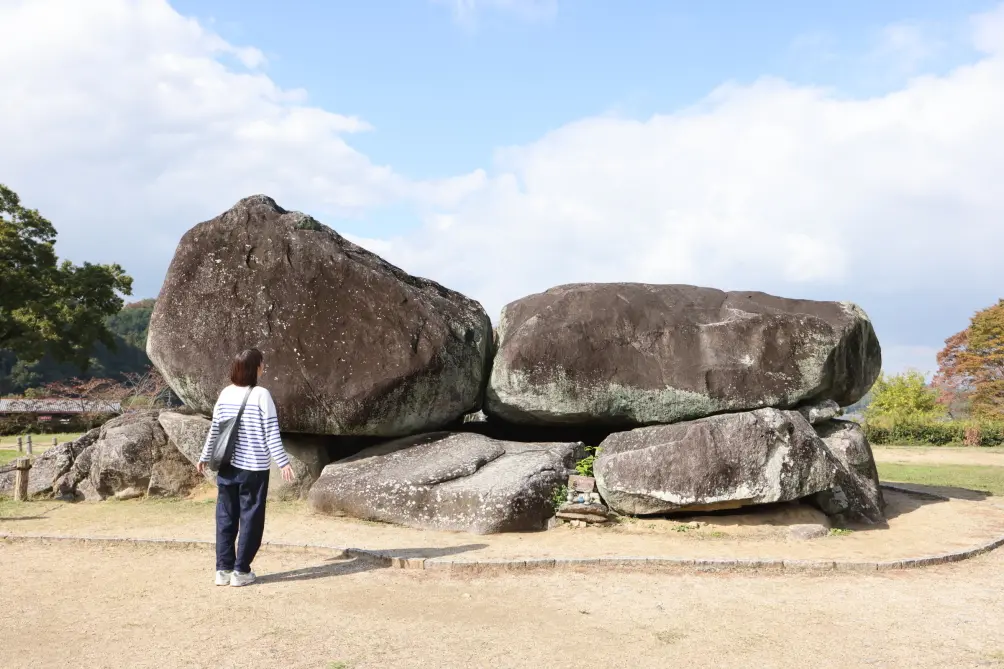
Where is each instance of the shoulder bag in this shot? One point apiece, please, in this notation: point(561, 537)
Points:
point(222, 450)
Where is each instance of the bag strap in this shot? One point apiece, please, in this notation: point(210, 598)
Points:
point(243, 404)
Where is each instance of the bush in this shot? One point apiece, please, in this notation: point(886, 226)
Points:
point(928, 432)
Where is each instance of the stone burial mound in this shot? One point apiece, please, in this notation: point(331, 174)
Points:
point(398, 403)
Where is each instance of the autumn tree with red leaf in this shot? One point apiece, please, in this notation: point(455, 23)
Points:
point(971, 366)
point(107, 396)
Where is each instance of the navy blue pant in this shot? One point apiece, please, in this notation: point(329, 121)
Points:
point(240, 505)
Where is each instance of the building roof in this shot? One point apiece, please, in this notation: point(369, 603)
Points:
point(58, 405)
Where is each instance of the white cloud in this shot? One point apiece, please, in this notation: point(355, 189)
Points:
point(762, 186)
point(123, 117)
point(126, 123)
point(988, 31)
point(905, 47)
point(466, 12)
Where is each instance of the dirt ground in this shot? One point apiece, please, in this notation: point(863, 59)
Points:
point(916, 527)
point(940, 455)
point(123, 606)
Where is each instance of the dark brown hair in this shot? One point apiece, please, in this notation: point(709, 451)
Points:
point(244, 370)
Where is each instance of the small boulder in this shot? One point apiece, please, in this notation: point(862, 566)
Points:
point(806, 532)
point(308, 455)
point(721, 462)
point(125, 453)
point(187, 433)
point(131, 452)
point(448, 481)
point(820, 412)
point(51, 466)
point(856, 495)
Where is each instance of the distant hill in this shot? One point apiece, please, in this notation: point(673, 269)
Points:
point(129, 327)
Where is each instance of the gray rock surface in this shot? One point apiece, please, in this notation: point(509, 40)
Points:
point(636, 354)
point(354, 345)
point(856, 494)
point(128, 453)
point(49, 467)
point(719, 462)
point(308, 456)
point(820, 412)
point(807, 531)
point(124, 454)
point(448, 481)
point(187, 434)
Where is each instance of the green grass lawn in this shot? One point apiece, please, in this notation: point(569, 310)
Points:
point(9, 455)
point(980, 449)
point(38, 440)
point(39, 443)
point(971, 477)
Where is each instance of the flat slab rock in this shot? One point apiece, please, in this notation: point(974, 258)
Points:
point(449, 481)
point(629, 354)
point(354, 345)
point(741, 459)
point(593, 513)
point(720, 462)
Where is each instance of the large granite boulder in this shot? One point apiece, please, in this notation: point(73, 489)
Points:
point(49, 467)
point(721, 462)
point(354, 345)
point(856, 495)
point(638, 354)
point(449, 481)
point(131, 455)
point(308, 455)
point(187, 434)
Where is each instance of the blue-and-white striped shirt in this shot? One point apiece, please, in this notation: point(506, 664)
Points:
point(258, 434)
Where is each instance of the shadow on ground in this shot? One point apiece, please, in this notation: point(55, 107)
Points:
point(441, 551)
point(933, 493)
point(345, 566)
point(338, 566)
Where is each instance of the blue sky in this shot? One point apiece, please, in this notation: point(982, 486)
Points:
point(443, 93)
point(846, 151)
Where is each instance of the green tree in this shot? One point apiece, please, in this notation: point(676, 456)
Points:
point(47, 306)
point(903, 396)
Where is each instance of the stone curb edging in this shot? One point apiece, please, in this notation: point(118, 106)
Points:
point(481, 567)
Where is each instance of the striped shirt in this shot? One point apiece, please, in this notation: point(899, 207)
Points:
point(258, 434)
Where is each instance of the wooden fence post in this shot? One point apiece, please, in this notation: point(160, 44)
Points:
point(22, 467)
point(29, 444)
point(20, 445)
point(55, 442)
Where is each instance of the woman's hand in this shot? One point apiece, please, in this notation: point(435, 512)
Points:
point(201, 468)
point(287, 473)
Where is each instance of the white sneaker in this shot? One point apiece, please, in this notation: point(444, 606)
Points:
point(223, 577)
point(237, 579)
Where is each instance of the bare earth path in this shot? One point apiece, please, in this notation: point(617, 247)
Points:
point(916, 528)
point(942, 455)
point(123, 606)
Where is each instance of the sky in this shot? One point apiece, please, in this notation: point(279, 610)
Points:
point(838, 151)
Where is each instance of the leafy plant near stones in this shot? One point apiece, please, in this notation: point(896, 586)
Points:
point(585, 466)
point(838, 532)
point(559, 496)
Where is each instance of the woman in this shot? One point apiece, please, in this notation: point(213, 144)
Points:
point(243, 482)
